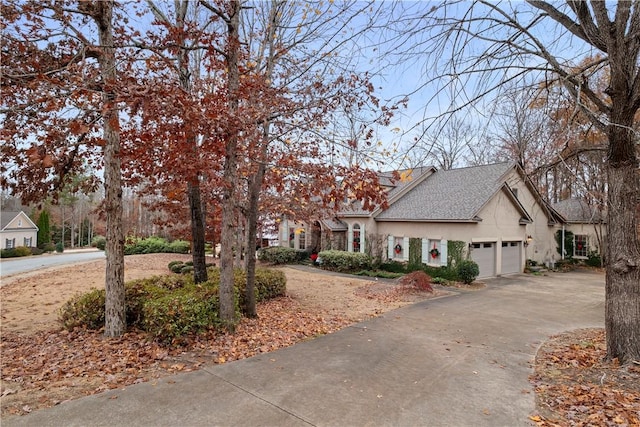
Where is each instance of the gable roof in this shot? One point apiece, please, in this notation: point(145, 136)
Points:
point(6, 217)
point(394, 187)
point(578, 211)
point(334, 224)
point(455, 195)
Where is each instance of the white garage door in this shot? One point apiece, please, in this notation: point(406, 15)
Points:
point(484, 254)
point(511, 257)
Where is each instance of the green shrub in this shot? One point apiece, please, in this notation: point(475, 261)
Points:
point(169, 307)
point(8, 253)
point(269, 284)
point(150, 245)
point(87, 310)
point(186, 269)
point(345, 261)
point(49, 247)
point(179, 247)
point(59, 247)
point(83, 310)
point(594, 259)
point(467, 271)
point(169, 281)
point(23, 251)
point(379, 273)
point(393, 267)
point(445, 272)
point(180, 313)
point(280, 255)
point(411, 267)
point(99, 242)
point(19, 251)
point(174, 262)
point(177, 267)
point(440, 281)
point(36, 251)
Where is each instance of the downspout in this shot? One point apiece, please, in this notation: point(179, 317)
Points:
point(562, 241)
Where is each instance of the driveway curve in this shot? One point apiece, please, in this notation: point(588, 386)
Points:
point(462, 360)
point(11, 266)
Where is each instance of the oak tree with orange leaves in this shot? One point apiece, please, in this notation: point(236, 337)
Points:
point(61, 112)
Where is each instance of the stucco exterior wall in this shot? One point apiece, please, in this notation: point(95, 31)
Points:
point(19, 228)
point(500, 223)
point(542, 247)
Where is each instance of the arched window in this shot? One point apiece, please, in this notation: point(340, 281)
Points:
point(356, 238)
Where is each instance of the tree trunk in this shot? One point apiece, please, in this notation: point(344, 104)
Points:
point(230, 174)
point(622, 317)
point(255, 185)
point(193, 186)
point(115, 319)
point(197, 233)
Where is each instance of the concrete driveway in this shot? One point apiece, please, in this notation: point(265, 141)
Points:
point(462, 360)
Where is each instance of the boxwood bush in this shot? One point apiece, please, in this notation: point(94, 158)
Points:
point(19, 251)
point(345, 261)
point(467, 271)
point(180, 313)
point(85, 310)
point(171, 306)
point(280, 255)
point(153, 245)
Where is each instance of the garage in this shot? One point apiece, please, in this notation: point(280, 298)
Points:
point(484, 254)
point(511, 257)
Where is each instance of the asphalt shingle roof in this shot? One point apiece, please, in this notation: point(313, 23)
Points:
point(7, 217)
point(394, 187)
point(577, 210)
point(449, 195)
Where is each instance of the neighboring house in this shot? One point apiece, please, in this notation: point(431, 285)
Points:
point(17, 230)
point(586, 223)
point(493, 209)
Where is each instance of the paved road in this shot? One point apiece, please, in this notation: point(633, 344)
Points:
point(24, 265)
point(456, 361)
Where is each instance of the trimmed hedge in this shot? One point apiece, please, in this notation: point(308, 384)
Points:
point(344, 261)
point(180, 313)
point(154, 245)
point(278, 255)
point(16, 252)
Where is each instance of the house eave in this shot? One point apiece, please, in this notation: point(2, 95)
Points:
point(470, 220)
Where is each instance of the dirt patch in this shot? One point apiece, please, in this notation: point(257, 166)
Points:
point(38, 371)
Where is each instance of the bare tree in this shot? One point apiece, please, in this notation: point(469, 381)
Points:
point(444, 146)
point(479, 48)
